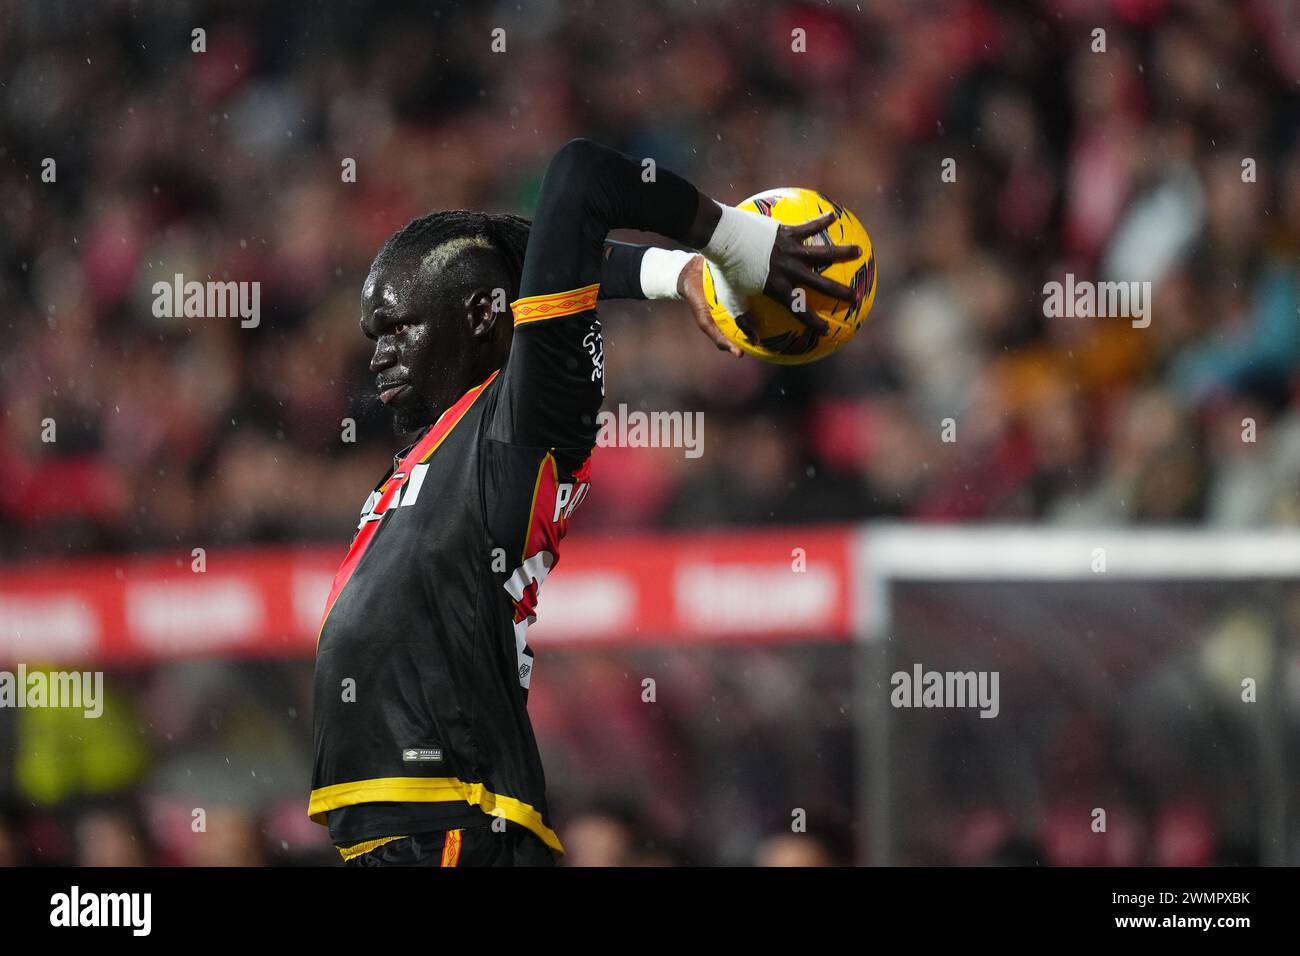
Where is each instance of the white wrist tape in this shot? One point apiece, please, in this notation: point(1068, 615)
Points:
point(741, 245)
point(660, 270)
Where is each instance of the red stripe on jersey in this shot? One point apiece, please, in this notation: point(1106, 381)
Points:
point(423, 449)
point(548, 523)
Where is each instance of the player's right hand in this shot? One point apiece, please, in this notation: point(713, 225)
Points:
point(690, 286)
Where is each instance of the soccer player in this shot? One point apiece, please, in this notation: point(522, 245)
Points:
point(424, 753)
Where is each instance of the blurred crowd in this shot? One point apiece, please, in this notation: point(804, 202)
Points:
point(1170, 157)
point(749, 756)
point(205, 762)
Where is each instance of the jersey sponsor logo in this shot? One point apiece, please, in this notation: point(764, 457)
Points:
point(553, 504)
point(379, 503)
point(567, 499)
point(401, 490)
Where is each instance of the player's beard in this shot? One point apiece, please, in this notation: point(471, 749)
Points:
point(413, 413)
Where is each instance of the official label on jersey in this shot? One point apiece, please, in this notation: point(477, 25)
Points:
point(419, 754)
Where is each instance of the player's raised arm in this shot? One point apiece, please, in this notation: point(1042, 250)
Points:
point(648, 272)
point(553, 382)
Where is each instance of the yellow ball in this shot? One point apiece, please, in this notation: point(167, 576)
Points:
point(775, 333)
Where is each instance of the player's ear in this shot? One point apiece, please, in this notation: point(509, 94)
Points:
point(483, 310)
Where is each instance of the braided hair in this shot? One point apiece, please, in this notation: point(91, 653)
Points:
point(507, 235)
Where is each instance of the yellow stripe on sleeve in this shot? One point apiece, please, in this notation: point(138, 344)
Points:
point(554, 305)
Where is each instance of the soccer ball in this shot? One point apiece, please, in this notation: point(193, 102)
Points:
point(772, 332)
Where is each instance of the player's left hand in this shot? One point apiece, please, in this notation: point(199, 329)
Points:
point(793, 265)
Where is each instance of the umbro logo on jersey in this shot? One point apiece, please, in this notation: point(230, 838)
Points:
point(418, 754)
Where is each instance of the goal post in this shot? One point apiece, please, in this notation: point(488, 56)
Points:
point(1113, 637)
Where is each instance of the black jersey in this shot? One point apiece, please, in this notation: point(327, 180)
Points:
point(422, 664)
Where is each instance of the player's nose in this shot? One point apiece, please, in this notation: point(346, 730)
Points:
point(385, 354)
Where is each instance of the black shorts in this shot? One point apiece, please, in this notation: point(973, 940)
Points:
point(507, 845)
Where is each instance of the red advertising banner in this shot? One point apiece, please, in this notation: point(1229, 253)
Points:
point(782, 584)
